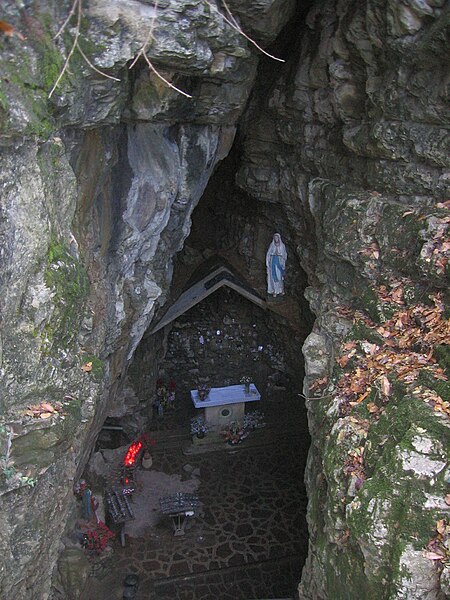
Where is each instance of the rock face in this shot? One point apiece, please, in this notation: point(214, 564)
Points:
point(98, 185)
point(351, 143)
point(346, 143)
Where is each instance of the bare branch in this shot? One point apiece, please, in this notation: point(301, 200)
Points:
point(69, 16)
point(148, 38)
point(93, 67)
point(158, 74)
point(143, 52)
point(232, 23)
point(77, 3)
point(230, 14)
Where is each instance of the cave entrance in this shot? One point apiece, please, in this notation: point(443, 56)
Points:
point(251, 538)
point(252, 528)
point(217, 325)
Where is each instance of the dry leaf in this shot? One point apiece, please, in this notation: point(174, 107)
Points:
point(372, 408)
point(385, 386)
point(368, 347)
point(46, 415)
point(47, 407)
point(447, 499)
point(318, 383)
point(440, 526)
point(342, 361)
point(87, 367)
point(432, 555)
point(9, 30)
point(363, 396)
point(349, 346)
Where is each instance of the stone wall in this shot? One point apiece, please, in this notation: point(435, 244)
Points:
point(221, 339)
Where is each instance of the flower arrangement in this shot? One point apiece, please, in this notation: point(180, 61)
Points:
point(147, 441)
point(165, 393)
point(234, 433)
point(96, 540)
point(198, 425)
point(253, 420)
point(203, 390)
point(246, 380)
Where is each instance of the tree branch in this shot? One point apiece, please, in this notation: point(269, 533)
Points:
point(233, 23)
point(76, 6)
point(143, 52)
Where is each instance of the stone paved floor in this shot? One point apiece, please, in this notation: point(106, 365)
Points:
point(250, 539)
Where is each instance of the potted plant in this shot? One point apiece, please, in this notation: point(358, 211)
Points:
point(234, 433)
point(96, 539)
point(246, 380)
point(165, 396)
point(199, 426)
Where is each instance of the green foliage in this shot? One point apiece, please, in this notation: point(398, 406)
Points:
point(442, 355)
point(360, 332)
point(11, 473)
point(438, 385)
point(4, 104)
point(370, 303)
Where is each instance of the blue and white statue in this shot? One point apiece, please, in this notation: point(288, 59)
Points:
point(276, 265)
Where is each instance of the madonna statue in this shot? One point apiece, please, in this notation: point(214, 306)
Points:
point(276, 264)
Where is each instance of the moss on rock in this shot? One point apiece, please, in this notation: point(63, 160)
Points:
point(67, 278)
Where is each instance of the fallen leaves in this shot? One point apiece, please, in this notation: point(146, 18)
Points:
point(87, 367)
point(385, 385)
point(408, 340)
point(44, 410)
point(435, 252)
point(354, 466)
point(371, 251)
point(433, 399)
point(8, 30)
point(439, 547)
point(319, 384)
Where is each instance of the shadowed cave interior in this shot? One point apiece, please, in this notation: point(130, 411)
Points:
point(250, 537)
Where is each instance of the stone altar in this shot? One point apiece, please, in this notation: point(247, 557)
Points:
point(225, 404)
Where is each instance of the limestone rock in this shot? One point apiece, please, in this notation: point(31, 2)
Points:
point(346, 143)
point(316, 352)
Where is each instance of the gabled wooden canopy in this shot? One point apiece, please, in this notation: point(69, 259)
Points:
point(201, 288)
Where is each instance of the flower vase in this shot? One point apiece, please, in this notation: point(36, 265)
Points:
point(200, 435)
point(203, 393)
point(247, 388)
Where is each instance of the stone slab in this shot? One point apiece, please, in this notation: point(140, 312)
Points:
point(230, 394)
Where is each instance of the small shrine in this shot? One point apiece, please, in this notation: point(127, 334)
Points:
point(225, 405)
